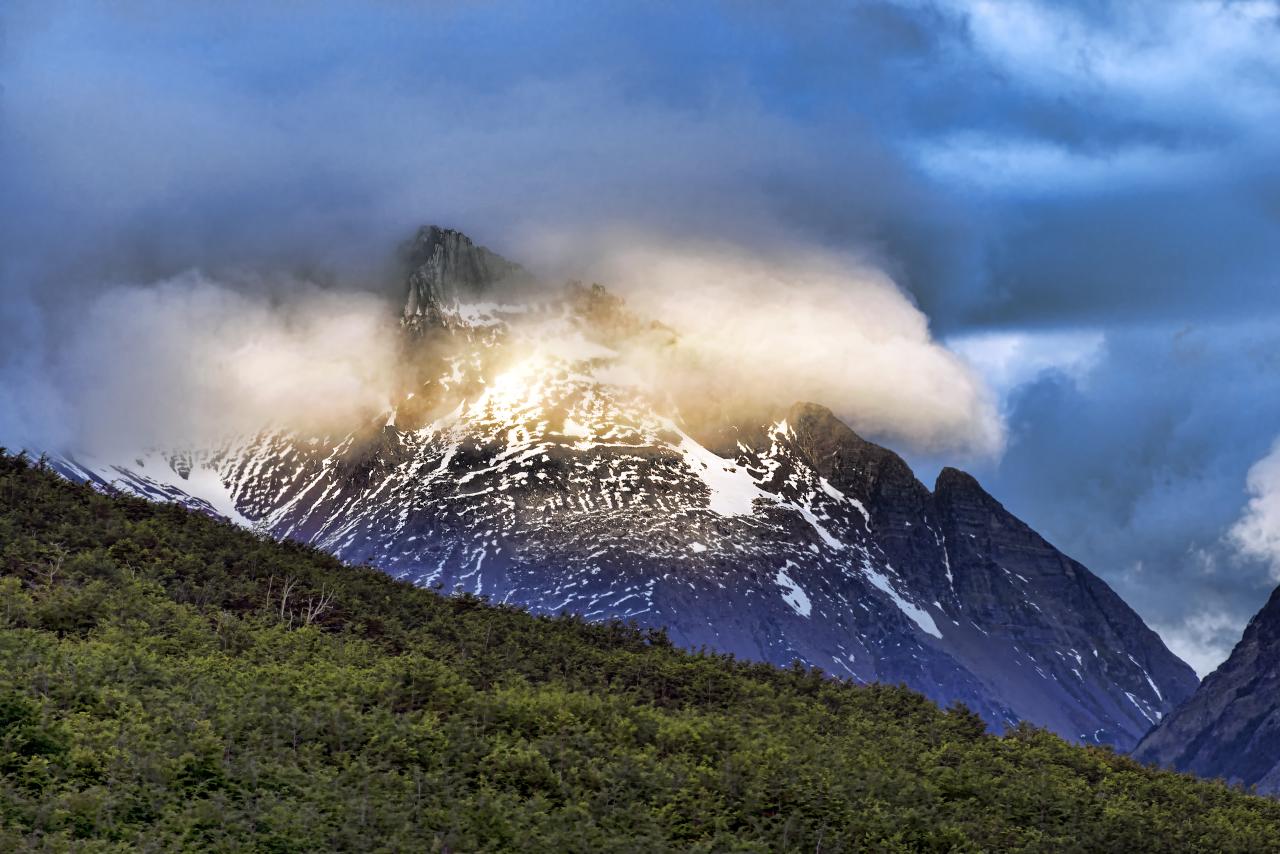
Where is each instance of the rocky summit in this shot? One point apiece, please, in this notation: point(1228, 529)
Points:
point(523, 461)
point(445, 270)
point(1230, 728)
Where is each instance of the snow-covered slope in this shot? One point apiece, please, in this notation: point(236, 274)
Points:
point(523, 462)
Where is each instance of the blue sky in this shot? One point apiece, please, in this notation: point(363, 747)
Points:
point(1084, 199)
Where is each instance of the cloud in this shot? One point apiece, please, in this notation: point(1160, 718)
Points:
point(1203, 640)
point(189, 361)
point(1120, 162)
point(1011, 360)
point(1139, 471)
point(1257, 533)
point(1025, 165)
point(307, 162)
point(768, 330)
point(213, 142)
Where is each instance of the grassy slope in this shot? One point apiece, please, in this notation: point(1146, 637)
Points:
point(156, 693)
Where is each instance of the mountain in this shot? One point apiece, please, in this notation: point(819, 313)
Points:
point(1230, 727)
point(446, 269)
point(539, 454)
point(171, 682)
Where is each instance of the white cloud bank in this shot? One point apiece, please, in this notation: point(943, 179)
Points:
point(1008, 360)
point(189, 361)
point(1257, 534)
point(1203, 640)
point(773, 328)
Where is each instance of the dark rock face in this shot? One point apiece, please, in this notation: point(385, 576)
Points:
point(1054, 615)
point(1230, 727)
point(446, 268)
point(517, 467)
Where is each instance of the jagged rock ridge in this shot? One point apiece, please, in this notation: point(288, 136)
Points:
point(445, 269)
point(518, 467)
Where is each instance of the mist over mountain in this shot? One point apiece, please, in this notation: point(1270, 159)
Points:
point(193, 358)
point(552, 447)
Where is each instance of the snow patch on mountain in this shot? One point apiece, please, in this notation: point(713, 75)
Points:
point(794, 595)
point(731, 489)
point(918, 615)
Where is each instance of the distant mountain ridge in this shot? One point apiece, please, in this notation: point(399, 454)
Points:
point(517, 465)
point(1230, 727)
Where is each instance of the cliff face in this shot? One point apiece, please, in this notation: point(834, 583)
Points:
point(1057, 620)
point(1230, 727)
point(519, 467)
point(446, 269)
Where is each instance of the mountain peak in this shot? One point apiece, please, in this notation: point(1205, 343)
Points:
point(446, 267)
point(954, 481)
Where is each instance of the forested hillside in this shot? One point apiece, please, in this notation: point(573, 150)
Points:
point(169, 681)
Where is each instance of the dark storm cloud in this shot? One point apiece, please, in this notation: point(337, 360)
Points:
point(152, 139)
point(143, 140)
point(1139, 470)
point(1018, 167)
point(1194, 248)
